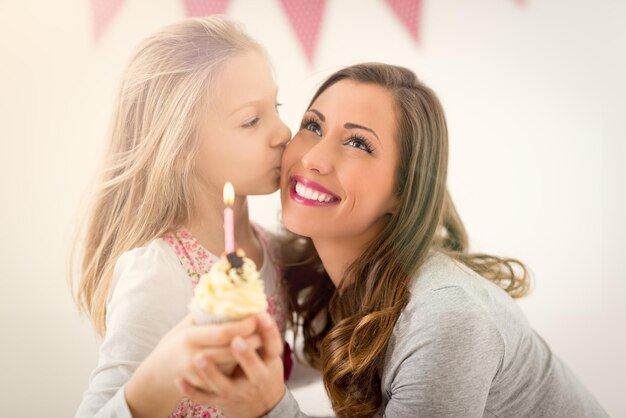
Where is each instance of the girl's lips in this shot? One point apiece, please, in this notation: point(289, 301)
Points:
point(303, 193)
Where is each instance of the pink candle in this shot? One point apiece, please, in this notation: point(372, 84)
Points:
point(229, 221)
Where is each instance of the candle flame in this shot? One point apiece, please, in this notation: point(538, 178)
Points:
point(229, 194)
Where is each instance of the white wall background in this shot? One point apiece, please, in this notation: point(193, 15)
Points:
point(535, 104)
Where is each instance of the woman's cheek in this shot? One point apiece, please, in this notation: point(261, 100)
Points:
point(290, 156)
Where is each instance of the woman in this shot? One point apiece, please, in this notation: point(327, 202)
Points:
point(403, 321)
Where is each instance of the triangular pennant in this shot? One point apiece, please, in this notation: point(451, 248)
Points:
point(408, 11)
point(205, 7)
point(306, 18)
point(103, 12)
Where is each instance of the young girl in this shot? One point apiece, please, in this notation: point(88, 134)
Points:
point(196, 108)
point(403, 321)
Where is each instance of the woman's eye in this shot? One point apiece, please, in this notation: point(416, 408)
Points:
point(251, 124)
point(277, 106)
point(360, 144)
point(313, 127)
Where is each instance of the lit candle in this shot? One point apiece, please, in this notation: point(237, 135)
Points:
point(229, 222)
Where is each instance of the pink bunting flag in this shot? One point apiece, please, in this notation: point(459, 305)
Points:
point(205, 7)
point(408, 11)
point(103, 12)
point(305, 17)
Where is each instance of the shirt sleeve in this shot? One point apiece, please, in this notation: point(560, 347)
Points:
point(446, 353)
point(287, 408)
point(148, 297)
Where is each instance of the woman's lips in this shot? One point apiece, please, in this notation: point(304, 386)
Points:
point(309, 193)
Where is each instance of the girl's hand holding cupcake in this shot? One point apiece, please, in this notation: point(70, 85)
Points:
point(176, 357)
point(254, 388)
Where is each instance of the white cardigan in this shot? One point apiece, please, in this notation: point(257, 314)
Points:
point(149, 295)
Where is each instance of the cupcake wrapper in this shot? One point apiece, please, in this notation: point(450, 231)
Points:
point(201, 317)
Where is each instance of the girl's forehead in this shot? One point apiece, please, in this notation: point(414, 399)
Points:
point(242, 79)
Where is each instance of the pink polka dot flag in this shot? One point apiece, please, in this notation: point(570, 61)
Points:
point(305, 17)
point(205, 7)
point(103, 12)
point(408, 11)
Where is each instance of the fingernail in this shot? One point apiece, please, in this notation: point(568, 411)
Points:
point(201, 362)
point(239, 344)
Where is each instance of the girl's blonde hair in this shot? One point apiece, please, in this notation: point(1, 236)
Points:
point(144, 187)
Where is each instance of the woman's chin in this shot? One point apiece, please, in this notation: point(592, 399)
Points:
point(294, 229)
point(297, 226)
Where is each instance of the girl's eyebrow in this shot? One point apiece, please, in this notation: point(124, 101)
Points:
point(250, 103)
point(253, 102)
point(245, 105)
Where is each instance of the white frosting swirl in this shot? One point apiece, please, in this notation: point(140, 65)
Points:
point(229, 292)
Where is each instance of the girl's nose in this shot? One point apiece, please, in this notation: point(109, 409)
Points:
point(282, 136)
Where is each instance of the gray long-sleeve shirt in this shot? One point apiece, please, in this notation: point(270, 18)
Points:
point(463, 348)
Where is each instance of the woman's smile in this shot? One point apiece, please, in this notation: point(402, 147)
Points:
point(310, 193)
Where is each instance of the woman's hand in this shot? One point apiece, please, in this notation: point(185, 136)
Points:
point(151, 390)
point(255, 388)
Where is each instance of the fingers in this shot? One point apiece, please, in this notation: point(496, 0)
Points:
point(215, 335)
point(250, 362)
point(254, 341)
point(272, 341)
point(220, 355)
point(196, 375)
point(201, 363)
point(221, 385)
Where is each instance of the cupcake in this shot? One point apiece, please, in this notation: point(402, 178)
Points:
point(232, 290)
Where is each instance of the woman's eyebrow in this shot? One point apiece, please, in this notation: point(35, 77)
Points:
point(347, 125)
point(319, 114)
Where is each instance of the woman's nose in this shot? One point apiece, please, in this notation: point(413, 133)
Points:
point(318, 158)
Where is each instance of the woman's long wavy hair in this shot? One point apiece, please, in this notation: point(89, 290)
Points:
point(145, 185)
point(346, 330)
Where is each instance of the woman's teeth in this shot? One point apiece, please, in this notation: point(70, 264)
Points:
point(311, 194)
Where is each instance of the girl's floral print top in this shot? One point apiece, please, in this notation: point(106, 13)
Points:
point(197, 260)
